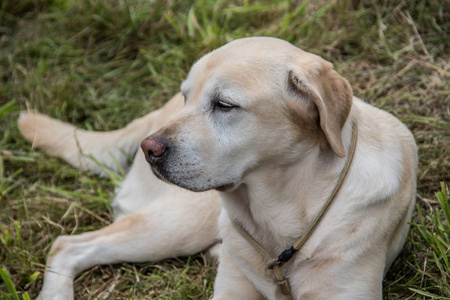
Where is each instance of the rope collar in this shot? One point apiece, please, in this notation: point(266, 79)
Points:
point(276, 263)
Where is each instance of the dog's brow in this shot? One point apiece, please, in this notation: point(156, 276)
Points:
point(220, 92)
point(217, 95)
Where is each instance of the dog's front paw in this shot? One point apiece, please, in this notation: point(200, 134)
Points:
point(56, 287)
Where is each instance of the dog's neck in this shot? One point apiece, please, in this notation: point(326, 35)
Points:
point(276, 204)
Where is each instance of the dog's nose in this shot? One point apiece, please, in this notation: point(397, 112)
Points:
point(154, 148)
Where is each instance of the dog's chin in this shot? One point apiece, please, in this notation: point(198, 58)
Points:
point(194, 187)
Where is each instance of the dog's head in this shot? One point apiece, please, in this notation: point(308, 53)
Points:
point(253, 103)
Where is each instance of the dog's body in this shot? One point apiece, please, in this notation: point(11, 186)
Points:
point(269, 126)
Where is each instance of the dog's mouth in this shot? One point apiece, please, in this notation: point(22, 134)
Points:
point(158, 174)
point(225, 188)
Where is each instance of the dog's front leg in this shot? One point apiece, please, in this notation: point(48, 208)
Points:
point(167, 228)
point(71, 255)
point(231, 283)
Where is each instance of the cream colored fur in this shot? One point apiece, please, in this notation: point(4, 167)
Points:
point(276, 156)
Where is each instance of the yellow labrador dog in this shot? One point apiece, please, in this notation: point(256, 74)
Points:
point(251, 152)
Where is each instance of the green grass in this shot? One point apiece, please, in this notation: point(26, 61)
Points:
point(100, 64)
point(435, 242)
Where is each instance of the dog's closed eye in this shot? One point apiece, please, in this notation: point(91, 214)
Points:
point(223, 106)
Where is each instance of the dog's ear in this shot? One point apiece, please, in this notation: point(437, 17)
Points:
point(331, 94)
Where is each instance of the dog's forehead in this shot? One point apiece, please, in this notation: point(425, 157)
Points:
point(251, 62)
point(248, 55)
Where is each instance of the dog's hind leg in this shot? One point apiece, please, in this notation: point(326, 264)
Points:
point(165, 228)
point(84, 149)
point(92, 150)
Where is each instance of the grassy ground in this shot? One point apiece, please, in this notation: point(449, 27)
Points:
point(100, 64)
